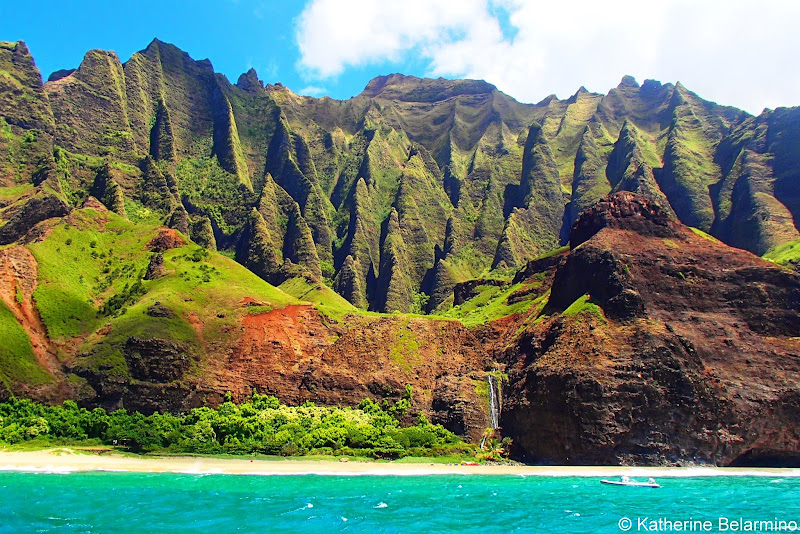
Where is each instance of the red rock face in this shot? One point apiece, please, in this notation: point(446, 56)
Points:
point(166, 239)
point(298, 355)
point(295, 354)
point(696, 357)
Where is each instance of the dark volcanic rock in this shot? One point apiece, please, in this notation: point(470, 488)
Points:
point(159, 310)
point(155, 360)
point(693, 354)
point(61, 73)
point(624, 211)
point(537, 266)
point(449, 408)
point(249, 82)
point(155, 269)
point(31, 213)
point(600, 274)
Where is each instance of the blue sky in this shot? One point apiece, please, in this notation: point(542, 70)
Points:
point(735, 52)
point(233, 35)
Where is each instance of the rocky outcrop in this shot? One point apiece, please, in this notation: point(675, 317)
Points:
point(203, 233)
point(28, 213)
point(249, 82)
point(166, 239)
point(155, 360)
point(623, 211)
point(108, 191)
point(155, 269)
point(665, 351)
point(159, 310)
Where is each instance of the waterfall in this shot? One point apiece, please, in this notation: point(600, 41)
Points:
point(494, 406)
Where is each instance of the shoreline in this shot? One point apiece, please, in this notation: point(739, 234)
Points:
point(64, 460)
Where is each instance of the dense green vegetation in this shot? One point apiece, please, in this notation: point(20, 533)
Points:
point(260, 425)
point(787, 254)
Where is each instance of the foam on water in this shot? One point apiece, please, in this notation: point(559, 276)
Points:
point(47, 469)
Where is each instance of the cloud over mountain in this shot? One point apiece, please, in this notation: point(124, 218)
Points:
point(530, 48)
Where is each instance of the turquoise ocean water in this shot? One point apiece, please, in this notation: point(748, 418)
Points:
point(134, 502)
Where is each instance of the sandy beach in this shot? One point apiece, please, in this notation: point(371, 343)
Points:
point(65, 460)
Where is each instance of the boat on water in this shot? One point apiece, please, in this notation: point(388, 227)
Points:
point(625, 481)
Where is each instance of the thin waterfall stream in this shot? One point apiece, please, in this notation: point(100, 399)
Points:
point(494, 408)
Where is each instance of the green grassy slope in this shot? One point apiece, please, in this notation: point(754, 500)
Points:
point(17, 361)
point(786, 254)
point(495, 302)
point(91, 289)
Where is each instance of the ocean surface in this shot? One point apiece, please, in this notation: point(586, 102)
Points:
point(135, 502)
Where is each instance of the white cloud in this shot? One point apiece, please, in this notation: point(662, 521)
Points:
point(333, 34)
point(312, 90)
point(734, 51)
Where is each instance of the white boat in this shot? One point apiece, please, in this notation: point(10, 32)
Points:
point(628, 482)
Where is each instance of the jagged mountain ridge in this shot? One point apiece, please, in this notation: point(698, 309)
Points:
point(394, 195)
point(641, 342)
